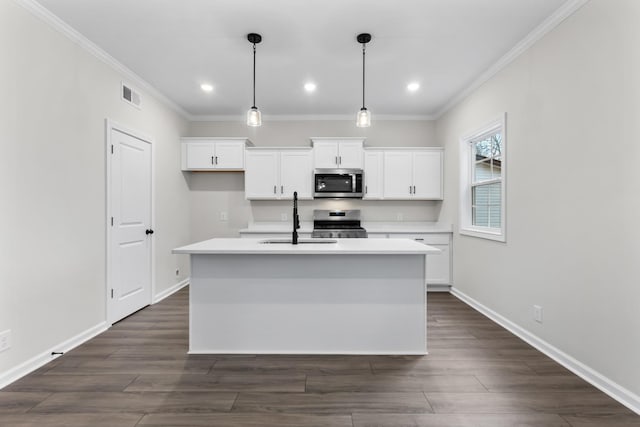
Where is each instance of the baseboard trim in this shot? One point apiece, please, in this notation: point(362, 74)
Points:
point(438, 288)
point(604, 384)
point(315, 352)
point(172, 290)
point(45, 357)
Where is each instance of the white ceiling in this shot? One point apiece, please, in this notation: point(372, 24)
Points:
point(177, 45)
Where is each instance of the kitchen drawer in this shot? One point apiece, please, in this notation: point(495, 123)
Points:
point(377, 235)
point(427, 238)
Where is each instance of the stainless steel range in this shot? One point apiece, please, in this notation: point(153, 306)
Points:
point(337, 224)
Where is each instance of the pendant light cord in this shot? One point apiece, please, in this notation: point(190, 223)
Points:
point(363, 48)
point(254, 76)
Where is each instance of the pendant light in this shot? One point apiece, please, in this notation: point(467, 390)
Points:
point(254, 118)
point(363, 118)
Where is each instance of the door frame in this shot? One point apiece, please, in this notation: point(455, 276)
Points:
point(111, 125)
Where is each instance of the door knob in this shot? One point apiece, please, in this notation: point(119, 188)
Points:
point(149, 231)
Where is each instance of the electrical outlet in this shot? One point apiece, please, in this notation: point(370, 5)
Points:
point(283, 217)
point(5, 340)
point(537, 313)
point(224, 216)
point(399, 216)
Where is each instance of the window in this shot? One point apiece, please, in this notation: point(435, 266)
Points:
point(482, 180)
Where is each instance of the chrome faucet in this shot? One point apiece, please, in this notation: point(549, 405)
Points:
point(296, 219)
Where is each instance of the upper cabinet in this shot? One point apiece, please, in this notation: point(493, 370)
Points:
point(342, 153)
point(274, 174)
point(213, 154)
point(413, 174)
point(373, 174)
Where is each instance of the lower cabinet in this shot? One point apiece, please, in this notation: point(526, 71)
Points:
point(438, 265)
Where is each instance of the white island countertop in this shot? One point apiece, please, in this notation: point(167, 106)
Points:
point(341, 247)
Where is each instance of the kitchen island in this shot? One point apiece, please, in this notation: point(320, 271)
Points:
point(353, 296)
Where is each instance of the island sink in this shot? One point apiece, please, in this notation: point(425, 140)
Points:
point(300, 241)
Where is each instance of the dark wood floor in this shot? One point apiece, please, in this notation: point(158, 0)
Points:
point(138, 374)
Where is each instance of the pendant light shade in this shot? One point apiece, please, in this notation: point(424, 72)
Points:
point(363, 118)
point(254, 117)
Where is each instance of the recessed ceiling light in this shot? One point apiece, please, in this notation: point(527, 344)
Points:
point(206, 87)
point(412, 87)
point(310, 87)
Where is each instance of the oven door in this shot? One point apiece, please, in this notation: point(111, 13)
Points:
point(337, 183)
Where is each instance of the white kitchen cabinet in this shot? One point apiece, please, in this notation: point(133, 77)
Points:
point(261, 174)
point(413, 174)
point(331, 153)
point(274, 174)
point(438, 265)
point(213, 154)
point(373, 174)
point(296, 173)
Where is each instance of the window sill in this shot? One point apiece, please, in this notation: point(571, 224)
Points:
point(483, 233)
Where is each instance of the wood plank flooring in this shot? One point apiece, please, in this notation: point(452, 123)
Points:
point(138, 373)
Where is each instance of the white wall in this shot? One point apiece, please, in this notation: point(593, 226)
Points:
point(55, 99)
point(573, 190)
point(212, 193)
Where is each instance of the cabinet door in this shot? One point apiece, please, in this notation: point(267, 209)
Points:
point(325, 154)
point(350, 155)
point(373, 173)
point(296, 174)
point(439, 266)
point(200, 155)
point(438, 271)
point(229, 155)
point(397, 175)
point(427, 175)
point(261, 175)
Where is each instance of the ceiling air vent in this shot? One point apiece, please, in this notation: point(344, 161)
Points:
point(130, 95)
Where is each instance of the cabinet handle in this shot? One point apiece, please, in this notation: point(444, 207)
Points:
point(410, 190)
point(274, 189)
point(216, 160)
point(419, 239)
point(414, 189)
point(282, 189)
point(212, 161)
point(337, 160)
point(366, 189)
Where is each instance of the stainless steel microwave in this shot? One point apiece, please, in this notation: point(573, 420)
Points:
point(338, 183)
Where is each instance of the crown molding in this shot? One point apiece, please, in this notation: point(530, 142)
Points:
point(566, 10)
point(545, 27)
point(306, 117)
point(58, 24)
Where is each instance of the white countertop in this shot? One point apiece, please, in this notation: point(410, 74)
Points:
point(407, 227)
point(341, 247)
point(371, 227)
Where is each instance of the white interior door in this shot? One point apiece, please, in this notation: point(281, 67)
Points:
point(130, 260)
